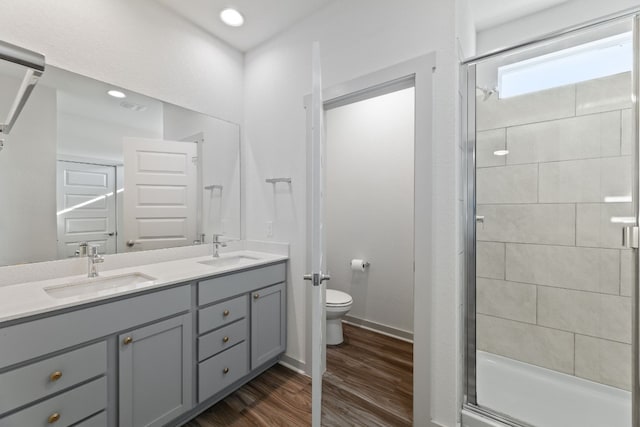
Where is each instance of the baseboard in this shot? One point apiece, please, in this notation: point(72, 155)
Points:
point(293, 364)
point(379, 328)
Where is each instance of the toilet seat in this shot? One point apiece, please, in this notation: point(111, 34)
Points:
point(338, 298)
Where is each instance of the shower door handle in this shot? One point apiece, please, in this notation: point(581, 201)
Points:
point(630, 237)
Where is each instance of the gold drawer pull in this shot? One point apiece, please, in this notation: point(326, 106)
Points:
point(53, 418)
point(55, 376)
point(225, 313)
point(127, 340)
point(256, 296)
point(225, 370)
point(225, 339)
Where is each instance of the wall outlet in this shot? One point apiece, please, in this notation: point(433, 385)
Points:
point(269, 228)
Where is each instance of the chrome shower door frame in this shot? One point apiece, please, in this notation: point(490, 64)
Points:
point(468, 71)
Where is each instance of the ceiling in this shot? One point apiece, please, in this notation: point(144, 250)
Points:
point(489, 13)
point(263, 18)
point(266, 18)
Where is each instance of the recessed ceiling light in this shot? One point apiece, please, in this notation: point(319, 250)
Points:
point(232, 17)
point(501, 152)
point(116, 93)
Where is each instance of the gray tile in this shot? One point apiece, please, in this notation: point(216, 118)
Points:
point(626, 272)
point(596, 270)
point(509, 300)
point(603, 361)
point(510, 184)
point(487, 142)
point(585, 181)
point(605, 94)
point(535, 107)
point(539, 346)
point(547, 224)
point(594, 225)
point(490, 260)
point(587, 313)
point(583, 137)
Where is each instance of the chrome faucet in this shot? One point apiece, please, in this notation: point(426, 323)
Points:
point(94, 258)
point(217, 244)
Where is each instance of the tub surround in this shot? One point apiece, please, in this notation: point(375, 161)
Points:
point(553, 281)
point(29, 297)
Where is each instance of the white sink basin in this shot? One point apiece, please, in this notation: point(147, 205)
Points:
point(97, 286)
point(227, 261)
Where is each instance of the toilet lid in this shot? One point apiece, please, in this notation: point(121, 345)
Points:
point(338, 298)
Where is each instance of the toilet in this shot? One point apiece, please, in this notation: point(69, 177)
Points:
point(338, 304)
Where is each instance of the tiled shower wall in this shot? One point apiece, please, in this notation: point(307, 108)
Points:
point(553, 283)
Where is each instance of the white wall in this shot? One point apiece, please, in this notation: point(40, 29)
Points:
point(138, 45)
point(369, 206)
point(357, 37)
point(28, 213)
point(567, 14)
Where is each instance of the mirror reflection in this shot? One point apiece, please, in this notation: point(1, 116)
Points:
point(89, 162)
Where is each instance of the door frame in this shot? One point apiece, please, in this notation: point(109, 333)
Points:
point(419, 72)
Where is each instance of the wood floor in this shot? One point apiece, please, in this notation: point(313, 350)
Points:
point(368, 383)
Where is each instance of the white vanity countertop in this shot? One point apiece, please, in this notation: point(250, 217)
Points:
point(31, 298)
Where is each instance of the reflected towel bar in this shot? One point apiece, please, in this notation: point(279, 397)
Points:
point(275, 180)
point(213, 187)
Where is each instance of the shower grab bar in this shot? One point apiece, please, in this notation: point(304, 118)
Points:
point(35, 68)
point(276, 180)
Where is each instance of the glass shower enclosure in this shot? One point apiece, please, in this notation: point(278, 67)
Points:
point(552, 183)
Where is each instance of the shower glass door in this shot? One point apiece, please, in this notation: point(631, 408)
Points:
point(552, 186)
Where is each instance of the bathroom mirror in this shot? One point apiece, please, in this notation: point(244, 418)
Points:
point(91, 162)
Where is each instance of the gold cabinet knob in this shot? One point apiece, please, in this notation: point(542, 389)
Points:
point(127, 340)
point(225, 313)
point(225, 370)
point(225, 339)
point(256, 296)
point(55, 376)
point(53, 418)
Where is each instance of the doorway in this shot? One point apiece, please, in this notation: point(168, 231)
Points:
point(415, 74)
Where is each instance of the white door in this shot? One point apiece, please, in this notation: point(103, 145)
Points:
point(86, 207)
point(160, 193)
point(318, 248)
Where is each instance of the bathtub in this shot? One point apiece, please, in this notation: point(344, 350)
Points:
point(545, 398)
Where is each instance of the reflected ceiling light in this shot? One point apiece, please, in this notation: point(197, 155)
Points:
point(501, 152)
point(232, 17)
point(617, 199)
point(116, 93)
point(623, 220)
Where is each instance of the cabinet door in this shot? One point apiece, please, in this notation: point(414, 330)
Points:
point(155, 378)
point(268, 324)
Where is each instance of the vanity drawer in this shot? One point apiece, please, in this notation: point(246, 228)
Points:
point(222, 370)
point(63, 410)
point(221, 314)
point(222, 339)
point(99, 420)
point(22, 386)
point(227, 286)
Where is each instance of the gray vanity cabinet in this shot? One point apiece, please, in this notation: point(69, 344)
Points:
point(155, 372)
point(268, 324)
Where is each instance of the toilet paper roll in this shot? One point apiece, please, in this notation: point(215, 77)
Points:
point(357, 265)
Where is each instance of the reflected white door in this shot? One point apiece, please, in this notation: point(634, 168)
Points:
point(160, 193)
point(86, 207)
point(318, 247)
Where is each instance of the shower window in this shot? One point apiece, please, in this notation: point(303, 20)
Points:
point(550, 295)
